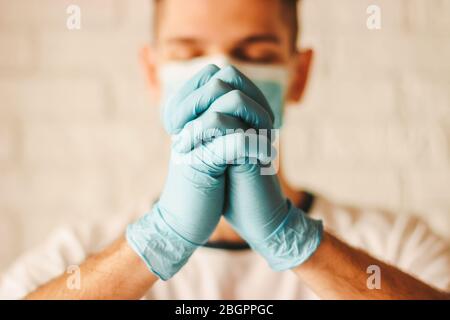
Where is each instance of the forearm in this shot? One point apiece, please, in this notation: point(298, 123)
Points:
point(115, 273)
point(339, 271)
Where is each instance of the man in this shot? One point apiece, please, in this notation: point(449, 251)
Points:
point(194, 236)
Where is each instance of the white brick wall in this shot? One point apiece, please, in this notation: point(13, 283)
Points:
point(78, 138)
point(375, 121)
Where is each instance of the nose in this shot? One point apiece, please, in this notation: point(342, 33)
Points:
point(222, 52)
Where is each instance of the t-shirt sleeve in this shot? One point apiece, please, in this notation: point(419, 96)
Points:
point(415, 248)
point(404, 241)
point(63, 248)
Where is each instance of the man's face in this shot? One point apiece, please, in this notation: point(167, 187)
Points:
point(249, 30)
point(252, 31)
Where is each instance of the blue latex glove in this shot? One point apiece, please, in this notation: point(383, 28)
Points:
point(226, 91)
point(261, 214)
point(234, 102)
point(190, 206)
point(256, 207)
point(192, 201)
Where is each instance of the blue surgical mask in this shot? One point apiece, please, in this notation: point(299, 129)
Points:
point(271, 79)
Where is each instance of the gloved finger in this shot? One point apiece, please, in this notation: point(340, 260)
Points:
point(197, 81)
point(239, 148)
point(204, 129)
point(187, 105)
point(212, 122)
point(237, 104)
point(236, 79)
point(233, 149)
point(195, 104)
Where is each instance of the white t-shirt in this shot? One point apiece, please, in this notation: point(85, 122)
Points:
point(403, 241)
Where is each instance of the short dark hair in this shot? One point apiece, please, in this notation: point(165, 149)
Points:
point(290, 15)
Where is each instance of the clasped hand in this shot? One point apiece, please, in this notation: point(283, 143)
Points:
point(207, 118)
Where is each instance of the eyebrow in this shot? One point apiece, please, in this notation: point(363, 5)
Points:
point(184, 40)
point(261, 38)
point(271, 38)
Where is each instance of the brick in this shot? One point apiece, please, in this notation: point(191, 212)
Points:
point(11, 237)
point(134, 102)
point(67, 147)
point(64, 199)
point(343, 100)
point(145, 181)
point(387, 56)
point(368, 145)
point(10, 140)
point(136, 15)
point(423, 18)
point(350, 16)
point(425, 97)
point(51, 15)
point(16, 51)
point(55, 99)
point(378, 188)
point(45, 190)
point(423, 147)
point(8, 149)
point(91, 52)
point(345, 145)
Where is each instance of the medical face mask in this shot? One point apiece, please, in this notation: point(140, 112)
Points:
point(272, 80)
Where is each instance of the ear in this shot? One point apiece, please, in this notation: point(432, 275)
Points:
point(148, 61)
point(301, 66)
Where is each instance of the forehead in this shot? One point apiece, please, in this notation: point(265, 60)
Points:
point(220, 20)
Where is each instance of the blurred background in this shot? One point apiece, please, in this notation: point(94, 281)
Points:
point(79, 139)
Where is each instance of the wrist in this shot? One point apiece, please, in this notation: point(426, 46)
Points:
point(162, 249)
point(293, 242)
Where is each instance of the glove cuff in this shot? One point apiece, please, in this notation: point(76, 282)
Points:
point(159, 246)
point(294, 241)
